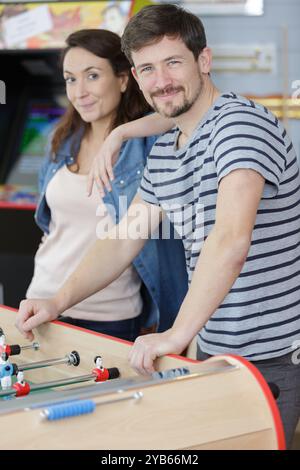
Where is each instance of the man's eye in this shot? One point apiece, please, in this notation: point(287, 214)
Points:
point(146, 69)
point(93, 76)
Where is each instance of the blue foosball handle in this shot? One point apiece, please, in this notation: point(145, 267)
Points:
point(68, 410)
point(171, 373)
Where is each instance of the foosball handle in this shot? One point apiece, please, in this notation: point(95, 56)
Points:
point(82, 407)
point(67, 410)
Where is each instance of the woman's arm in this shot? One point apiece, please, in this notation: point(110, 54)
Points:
point(102, 168)
point(115, 253)
point(151, 124)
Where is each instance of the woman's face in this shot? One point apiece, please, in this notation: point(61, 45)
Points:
point(92, 87)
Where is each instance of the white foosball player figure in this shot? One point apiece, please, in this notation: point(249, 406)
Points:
point(6, 371)
point(99, 362)
point(20, 378)
point(2, 342)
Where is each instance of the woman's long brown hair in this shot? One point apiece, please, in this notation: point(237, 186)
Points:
point(107, 45)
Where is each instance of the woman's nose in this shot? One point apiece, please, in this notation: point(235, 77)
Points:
point(80, 89)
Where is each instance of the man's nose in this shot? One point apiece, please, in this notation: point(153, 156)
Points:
point(163, 78)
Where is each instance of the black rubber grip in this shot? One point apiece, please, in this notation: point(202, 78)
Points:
point(114, 373)
point(76, 358)
point(15, 349)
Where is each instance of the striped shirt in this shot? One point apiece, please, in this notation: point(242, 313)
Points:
point(260, 316)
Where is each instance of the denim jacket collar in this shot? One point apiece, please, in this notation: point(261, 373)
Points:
point(69, 148)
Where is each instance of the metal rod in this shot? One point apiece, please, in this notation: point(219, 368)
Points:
point(71, 359)
point(7, 393)
point(41, 364)
point(62, 382)
point(34, 346)
point(52, 384)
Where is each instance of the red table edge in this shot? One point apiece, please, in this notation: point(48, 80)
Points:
point(269, 397)
point(20, 207)
point(102, 335)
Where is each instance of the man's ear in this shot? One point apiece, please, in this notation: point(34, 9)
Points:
point(124, 77)
point(205, 60)
point(134, 73)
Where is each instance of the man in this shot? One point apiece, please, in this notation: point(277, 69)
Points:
point(227, 176)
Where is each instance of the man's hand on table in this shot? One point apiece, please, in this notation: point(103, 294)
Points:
point(149, 347)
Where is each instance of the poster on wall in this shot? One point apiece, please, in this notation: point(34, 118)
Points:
point(221, 7)
point(41, 25)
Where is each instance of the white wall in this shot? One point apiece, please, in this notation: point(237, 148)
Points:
point(264, 29)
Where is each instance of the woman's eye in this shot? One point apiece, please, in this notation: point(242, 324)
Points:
point(69, 80)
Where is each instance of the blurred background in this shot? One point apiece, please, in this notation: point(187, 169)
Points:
point(256, 50)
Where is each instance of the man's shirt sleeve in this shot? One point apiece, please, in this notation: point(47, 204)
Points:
point(247, 140)
point(146, 190)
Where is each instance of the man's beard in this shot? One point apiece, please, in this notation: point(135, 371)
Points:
point(179, 109)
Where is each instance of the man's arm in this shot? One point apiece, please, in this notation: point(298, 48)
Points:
point(222, 257)
point(103, 263)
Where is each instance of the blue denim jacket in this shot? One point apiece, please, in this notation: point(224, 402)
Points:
point(161, 263)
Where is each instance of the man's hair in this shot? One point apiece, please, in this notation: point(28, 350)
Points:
point(153, 22)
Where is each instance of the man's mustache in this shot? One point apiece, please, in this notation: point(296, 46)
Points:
point(166, 91)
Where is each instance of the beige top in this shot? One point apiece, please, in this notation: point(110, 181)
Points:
point(76, 222)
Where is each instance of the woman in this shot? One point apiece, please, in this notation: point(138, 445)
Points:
point(102, 96)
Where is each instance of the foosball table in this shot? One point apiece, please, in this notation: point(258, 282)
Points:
point(74, 389)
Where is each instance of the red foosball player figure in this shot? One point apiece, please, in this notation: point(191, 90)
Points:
point(22, 388)
point(102, 374)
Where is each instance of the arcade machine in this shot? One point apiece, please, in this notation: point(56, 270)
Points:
point(33, 105)
point(31, 38)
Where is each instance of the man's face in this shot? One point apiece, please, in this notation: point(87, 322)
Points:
point(169, 76)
